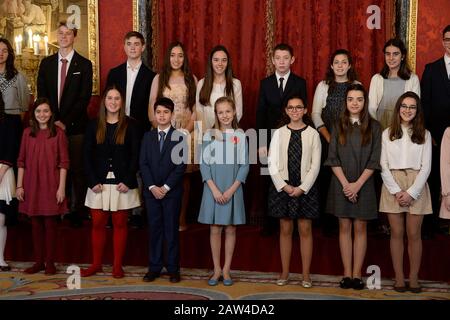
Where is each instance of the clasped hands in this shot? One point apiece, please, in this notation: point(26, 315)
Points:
point(403, 198)
point(222, 198)
point(351, 190)
point(292, 191)
point(121, 187)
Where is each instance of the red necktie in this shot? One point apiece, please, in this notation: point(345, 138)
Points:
point(63, 76)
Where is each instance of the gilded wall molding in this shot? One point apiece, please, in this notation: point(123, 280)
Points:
point(270, 26)
point(412, 33)
point(93, 43)
point(135, 15)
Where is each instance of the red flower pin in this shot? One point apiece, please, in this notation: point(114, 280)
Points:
point(235, 140)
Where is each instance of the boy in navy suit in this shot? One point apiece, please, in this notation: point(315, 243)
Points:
point(162, 164)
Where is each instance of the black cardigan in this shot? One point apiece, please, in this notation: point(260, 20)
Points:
point(125, 158)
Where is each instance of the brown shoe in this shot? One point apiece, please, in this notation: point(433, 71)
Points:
point(35, 268)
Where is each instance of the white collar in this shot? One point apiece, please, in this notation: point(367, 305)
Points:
point(446, 59)
point(354, 120)
point(166, 131)
point(285, 77)
point(68, 57)
point(136, 68)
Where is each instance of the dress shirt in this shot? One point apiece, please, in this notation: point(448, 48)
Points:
point(69, 59)
point(166, 131)
point(131, 79)
point(285, 77)
point(404, 154)
point(447, 64)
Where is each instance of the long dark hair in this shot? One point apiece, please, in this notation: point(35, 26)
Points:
point(405, 71)
point(205, 92)
point(10, 69)
point(418, 123)
point(34, 124)
point(284, 120)
point(330, 78)
point(122, 125)
point(166, 71)
point(344, 125)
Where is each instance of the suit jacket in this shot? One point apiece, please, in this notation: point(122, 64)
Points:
point(270, 104)
point(158, 168)
point(72, 110)
point(125, 157)
point(436, 98)
point(141, 91)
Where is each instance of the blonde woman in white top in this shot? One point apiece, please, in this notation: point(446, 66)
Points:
point(394, 79)
point(405, 195)
point(218, 82)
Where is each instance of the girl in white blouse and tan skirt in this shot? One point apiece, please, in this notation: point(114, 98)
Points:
point(405, 195)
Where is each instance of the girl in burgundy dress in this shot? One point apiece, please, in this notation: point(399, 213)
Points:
point(43, 162)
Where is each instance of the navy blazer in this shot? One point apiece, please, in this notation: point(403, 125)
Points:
point(76, 94)
point(141, 91)
point(158, 168)
point(270, 103)
point(435, 96)
point(125, 159)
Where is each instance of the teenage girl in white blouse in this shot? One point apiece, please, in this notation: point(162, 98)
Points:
point(405, 195)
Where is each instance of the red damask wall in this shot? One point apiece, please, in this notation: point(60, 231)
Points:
point(431, 20)
point(115, 20)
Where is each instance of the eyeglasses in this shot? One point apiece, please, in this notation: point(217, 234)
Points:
point(412, 108)
point(446, 39)
point(295, 108)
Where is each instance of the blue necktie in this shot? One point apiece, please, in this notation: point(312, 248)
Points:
point(162, 134)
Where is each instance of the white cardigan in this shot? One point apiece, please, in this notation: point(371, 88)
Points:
point(319, 103)
point(376, 91)
point(278, 158)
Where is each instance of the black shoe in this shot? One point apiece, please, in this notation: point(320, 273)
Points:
point(150, 276)
point(175, 277)
point(346, 283)
point(74, 219)
point(357, 284)
point(5, 268)
point(135, 221)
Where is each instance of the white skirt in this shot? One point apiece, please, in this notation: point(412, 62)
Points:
point(109, 199)
point(8, 185)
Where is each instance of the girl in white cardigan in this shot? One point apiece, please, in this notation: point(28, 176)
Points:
point(405, 195)
point(294, 163)
point(394, 79)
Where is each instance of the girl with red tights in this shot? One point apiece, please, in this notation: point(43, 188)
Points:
point(41, 182)
point(111, 162)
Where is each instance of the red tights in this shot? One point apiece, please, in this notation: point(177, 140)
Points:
point(44, 238)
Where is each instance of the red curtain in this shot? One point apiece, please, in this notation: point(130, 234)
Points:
point(202, 24)
point(246, 28)
point(315, 29)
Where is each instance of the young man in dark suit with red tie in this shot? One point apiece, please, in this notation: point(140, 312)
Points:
point(274, 92)
point(134, 78)
point(435, 93)
point(65, 78)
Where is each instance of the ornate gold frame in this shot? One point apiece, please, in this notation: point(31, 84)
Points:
point(135, 15)
point(412, 33)
point(93, 43)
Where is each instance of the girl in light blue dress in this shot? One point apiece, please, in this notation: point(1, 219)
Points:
point(224, 167)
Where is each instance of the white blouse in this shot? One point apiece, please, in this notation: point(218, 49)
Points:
point(206, 113)
point(404, 154)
